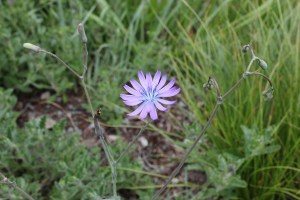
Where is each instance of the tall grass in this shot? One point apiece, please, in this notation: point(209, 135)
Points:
point(210, 45)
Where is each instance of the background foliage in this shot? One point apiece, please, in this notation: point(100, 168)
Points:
point(250, 152)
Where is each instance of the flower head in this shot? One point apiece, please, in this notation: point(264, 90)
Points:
point(149, 94)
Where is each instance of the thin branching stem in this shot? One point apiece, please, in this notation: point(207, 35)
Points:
point(250, 64)
point(98, 128)
point(60, 60)
point(234, 87)
point(253, 56)
point(9, 183)
point(85, 58)
point(132, 142)
point(186, 155)
point(220, 99)
point(97, 125)
point(264, 76)
point(108, 155)
point(87, 95)
point(243, 77)
point(215, 83)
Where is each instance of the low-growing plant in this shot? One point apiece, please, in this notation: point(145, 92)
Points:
point(37, 161)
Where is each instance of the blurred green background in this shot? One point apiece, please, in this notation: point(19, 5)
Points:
point(251, 150)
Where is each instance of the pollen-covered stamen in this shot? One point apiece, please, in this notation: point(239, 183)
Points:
point(150, 94)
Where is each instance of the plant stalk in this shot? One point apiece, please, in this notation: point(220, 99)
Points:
point(186, 155)
point(132, 142)
point(108, 155)
point(61, 61)
point(6, 181)
point(220, 101)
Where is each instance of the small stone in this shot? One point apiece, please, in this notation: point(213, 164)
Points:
point(144, 142)
point(50, 123)
point(45, 95)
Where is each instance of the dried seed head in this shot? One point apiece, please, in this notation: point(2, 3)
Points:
point(268, 93)
point(82, 33)
point(207, 86)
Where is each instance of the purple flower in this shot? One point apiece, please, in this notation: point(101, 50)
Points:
point(148, 94)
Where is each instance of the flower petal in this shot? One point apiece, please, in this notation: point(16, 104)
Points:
point(149, 80)
point(132, 91)
point(163, 101)
point(162, 82)
point(129, 97)
point(153, 113)
point(160, 107)
point(132, 103)
point(142, 79)
point(136, 85)
point(172, 92)
point(145, 111)
point(137, 111)
point(156, 79)
point(167, 87)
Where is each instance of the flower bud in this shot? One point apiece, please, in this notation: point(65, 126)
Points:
point(262, 64)
point(32, 47)
point(82, 33)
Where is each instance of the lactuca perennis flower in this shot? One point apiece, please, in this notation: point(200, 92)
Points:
point(149, 94)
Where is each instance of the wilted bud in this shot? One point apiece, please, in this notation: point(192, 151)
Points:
point(262, 64)
point(207, 86)
point(245, 48)
point(268, 93)
point(32, 47)
point(82, 33)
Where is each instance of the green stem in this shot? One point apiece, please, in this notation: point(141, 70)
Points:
point(132, 142)
point(87, 95)
point(108, 155)
point(250, 64)
point(114, 179)
point(234, 87)
point(85, 58)
point(253, 57)
point(60, 60)
point(186, 155)
point(98, 129)
point(264, 76)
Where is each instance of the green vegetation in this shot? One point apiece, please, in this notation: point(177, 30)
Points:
point(251, 150)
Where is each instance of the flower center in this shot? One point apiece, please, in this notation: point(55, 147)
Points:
point(150, 94)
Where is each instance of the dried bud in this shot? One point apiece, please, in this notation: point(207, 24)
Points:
point(268, 93)
point(262, 64)
point(207, 86)
point(82, 33)
point(245, 48)
point(32, 47)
